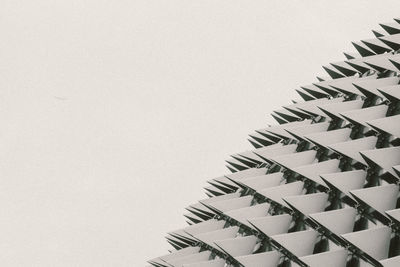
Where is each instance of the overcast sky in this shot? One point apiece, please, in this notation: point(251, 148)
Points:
point(114, 114)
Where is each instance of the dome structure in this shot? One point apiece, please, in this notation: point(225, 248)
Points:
point(319, 188)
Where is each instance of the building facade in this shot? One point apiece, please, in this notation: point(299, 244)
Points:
point(319, 188)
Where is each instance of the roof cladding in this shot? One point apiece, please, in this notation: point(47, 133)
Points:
point(319, 188)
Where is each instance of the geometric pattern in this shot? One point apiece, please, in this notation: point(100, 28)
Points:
point(319, 188)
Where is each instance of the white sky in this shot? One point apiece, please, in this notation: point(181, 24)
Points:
point(115, 113)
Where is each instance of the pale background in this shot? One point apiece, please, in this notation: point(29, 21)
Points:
point(113, 114)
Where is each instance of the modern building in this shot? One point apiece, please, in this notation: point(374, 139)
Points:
point(319, 188)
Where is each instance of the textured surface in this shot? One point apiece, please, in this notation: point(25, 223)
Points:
point(320, 188)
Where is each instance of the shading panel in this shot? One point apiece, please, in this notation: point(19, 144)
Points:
point(321, 185)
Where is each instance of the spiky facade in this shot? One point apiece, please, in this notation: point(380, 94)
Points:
point(320, 188)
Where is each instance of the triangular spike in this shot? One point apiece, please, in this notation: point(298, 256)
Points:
point(295, 159)
point(360, 116)
point(372, 85)
point(391, 262)
point(213, 190)
point(272, 137)
point(181, 235)
point(362, 49)
point(201, 256)
point(385, 158)
point(254, 144)
point(332, 92)
point(200, 214)
point(376, 46)
point(346, 181)
point(180, 253)
point(333, 110)
point(377, 33)
point(379, 68)
point(300, 132)
point(231, 169)
point(390, 28)
point(352, 148)
point(349, 55)
point(247, 163)
point(310, 107)
point(287, 115)
point(219, 198)
point(336, 258)
point(299, 113)
point(249, 155)
point(265, 259)
point(342, 64)
point(382, 62)
point(278, 119)
point(358, 65)
point(279, 130)
point(331, 137)
point(157, 262)
point(236, 165)
point(391, 92)
point(177, 244)
point(252, 172)
point(267, 154)
point(394, 214)
point(393, 41)
point(313, 171)
point(310, 203)
point(379, 248)
point(262, 141)
point(395, 63)
point(209, 237)
point(299, 243)
point(397, 170)
point(201, 209)
point(192, 219)
point(272, 225)
point(231, 204)
point(263, 181)
point(315, 91)
point(380, 198)
point(304, 95)
point(346, 70)
point(333, 74)
point(238, 246)
point(242, 215)
point(223, 187)
point(224, 181)
point(340, 221)
point(204, 227)
point(276, 193)
point(390, 125)
point(210, 263)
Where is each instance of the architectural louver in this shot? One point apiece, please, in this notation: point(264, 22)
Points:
point(321, 187)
